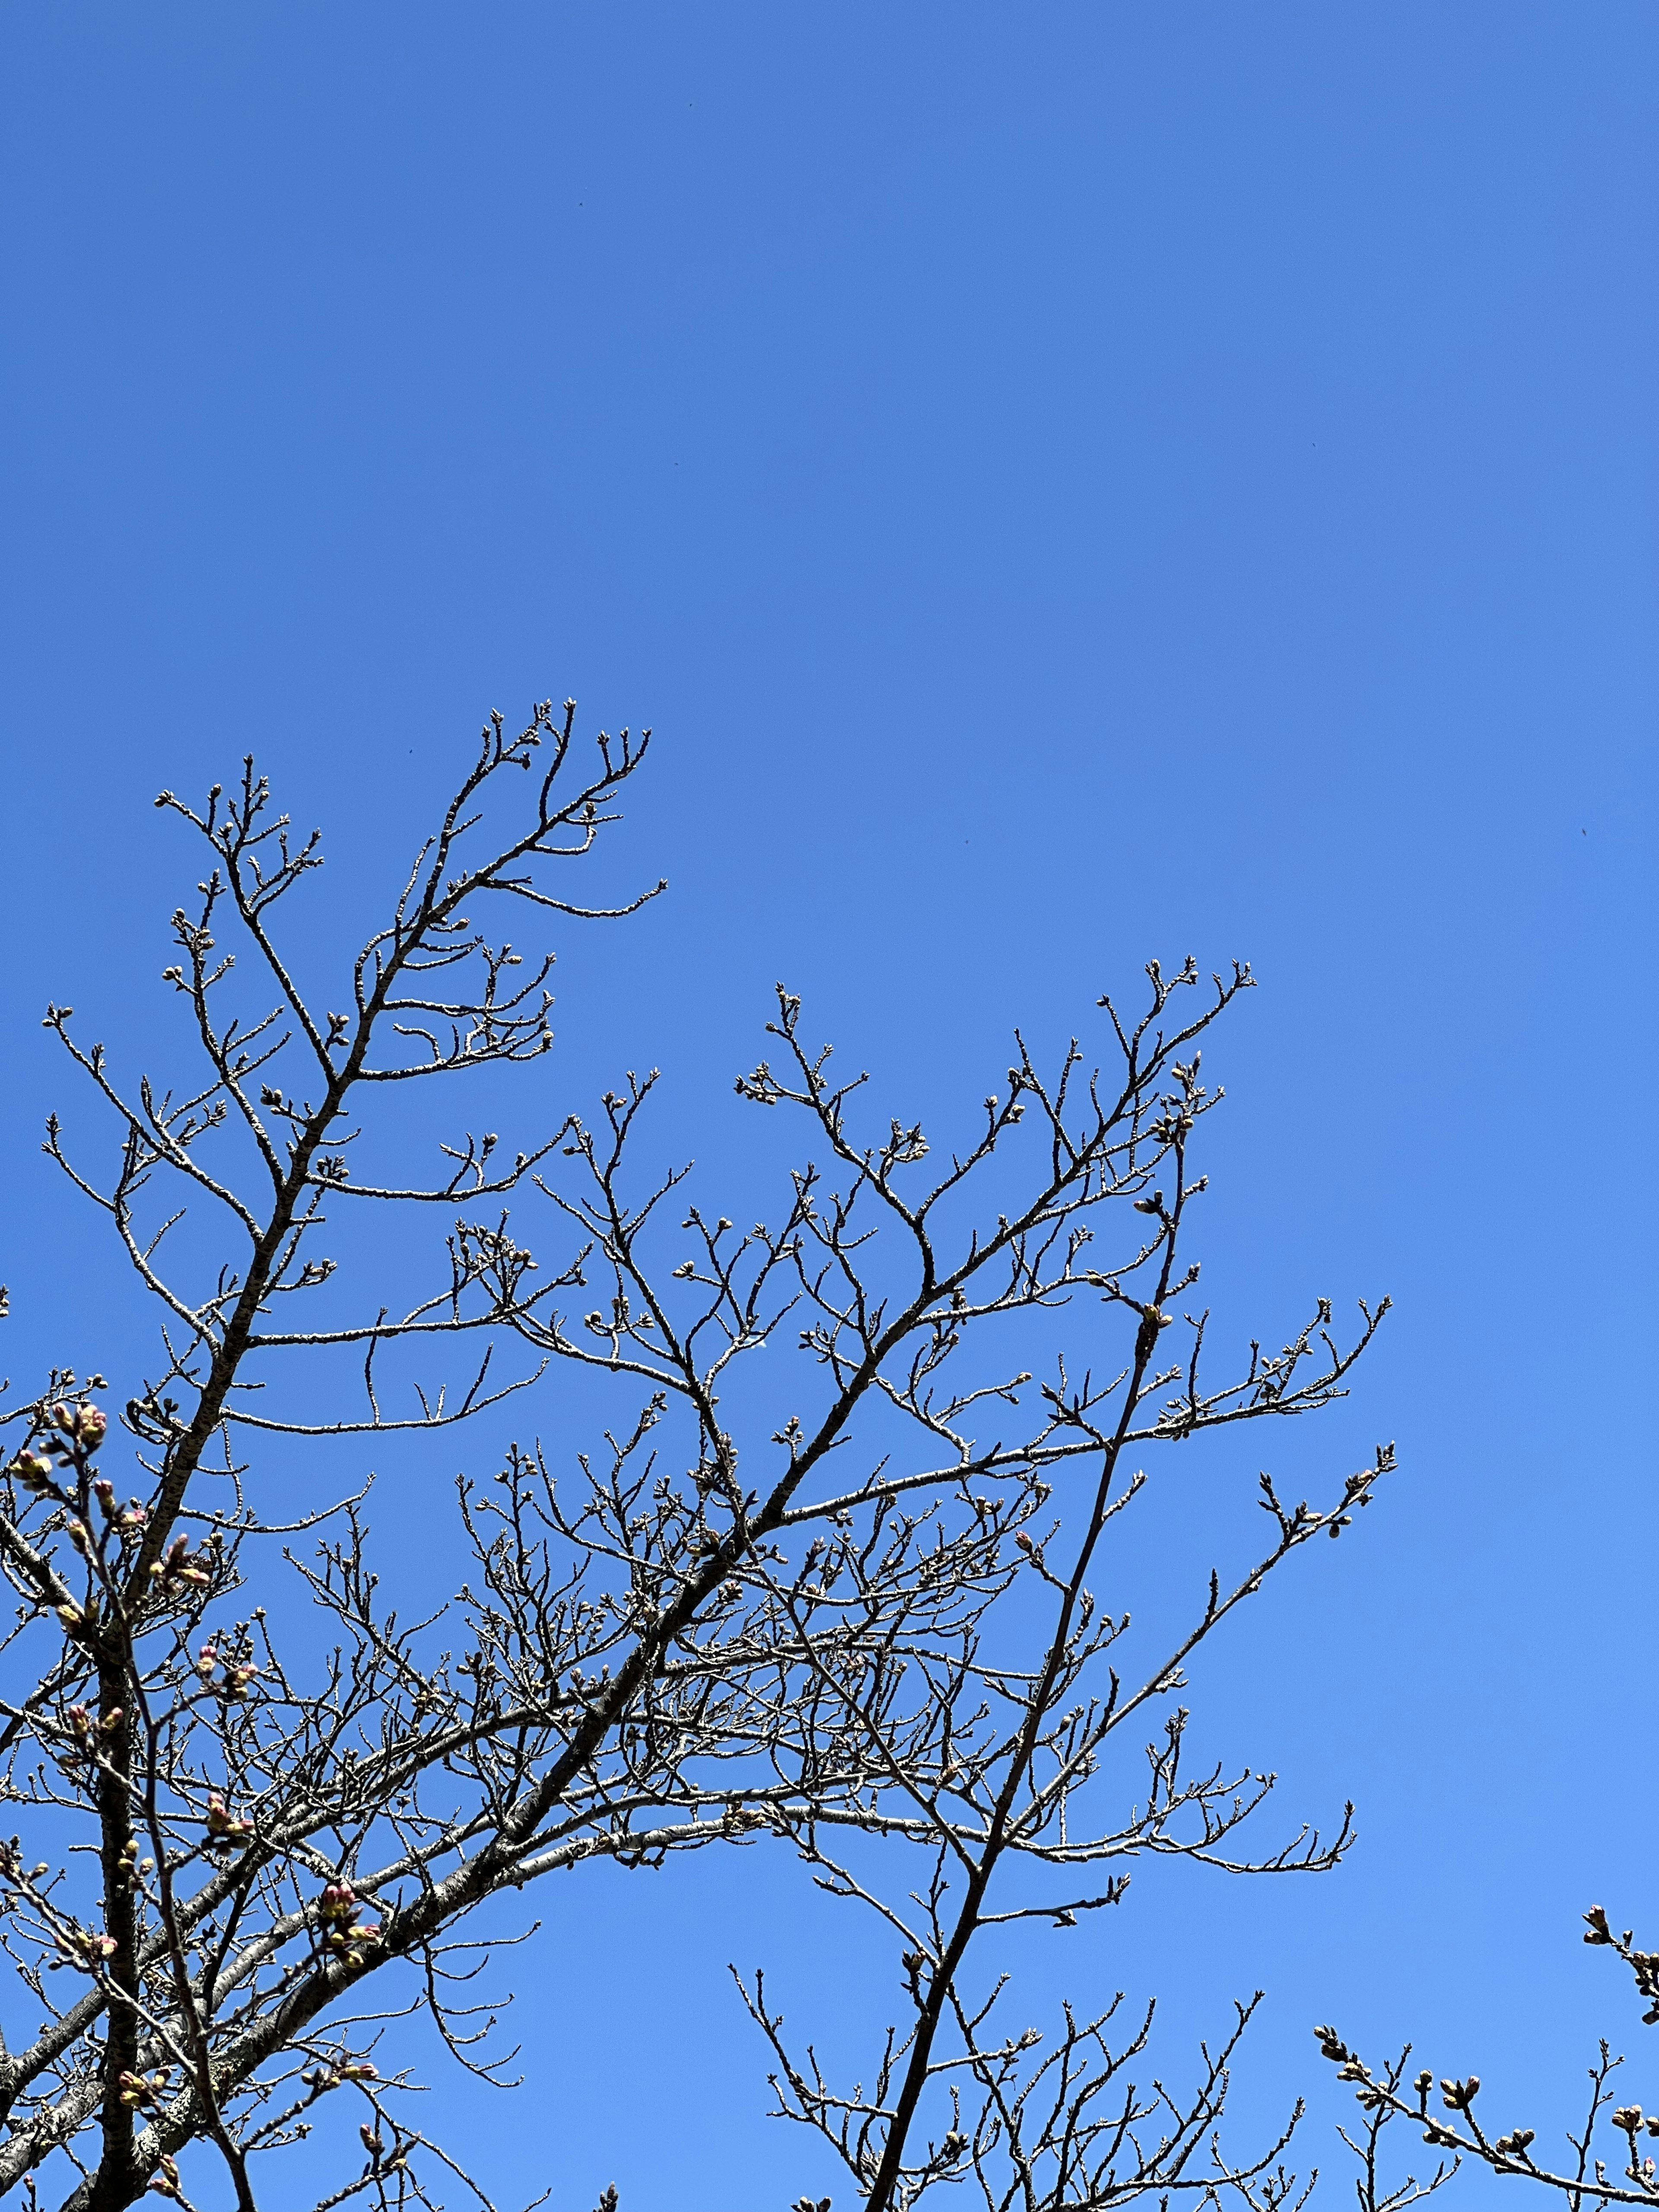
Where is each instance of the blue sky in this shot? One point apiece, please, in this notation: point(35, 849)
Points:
point(1065, 484)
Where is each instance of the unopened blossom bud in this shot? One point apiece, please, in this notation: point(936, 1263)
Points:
point(89, 1425)
point(30, 1469)
point(222, 1827)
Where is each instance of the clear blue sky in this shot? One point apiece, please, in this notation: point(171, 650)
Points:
point(1066, 483)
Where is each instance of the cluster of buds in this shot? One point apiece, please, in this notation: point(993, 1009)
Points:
point(321, 2079)
point(916, 1965)
point(31, 1472)
point(139, 2090)
point(1515, 2144)
point(179, 1568)
point(87, 1731)
point(73, 1431)
point(129, 1863)
point(82, 1427)
point(1632, 2120)
point(127, 1519)
point(346, 1935)
point(1351, 2067)
point(224, 1829)
point(86, 1949)
point(165, 2180)
point(238, 1672)
point(1644, 1964)
point(11, 1863)
point(374, 2144)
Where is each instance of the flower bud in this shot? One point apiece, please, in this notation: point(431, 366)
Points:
point(90, 1422)
point(33, 1472)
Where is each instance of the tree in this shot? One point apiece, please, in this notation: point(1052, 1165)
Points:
point(861, 1623)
